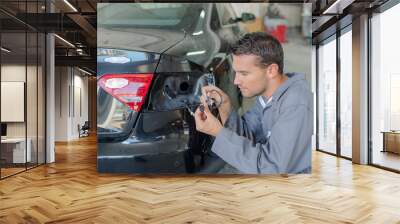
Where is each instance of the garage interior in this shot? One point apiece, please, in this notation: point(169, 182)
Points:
point(49, 49)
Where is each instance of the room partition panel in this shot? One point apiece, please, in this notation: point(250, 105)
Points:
point(22, 88)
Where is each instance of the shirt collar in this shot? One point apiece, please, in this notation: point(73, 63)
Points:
point(264, 101)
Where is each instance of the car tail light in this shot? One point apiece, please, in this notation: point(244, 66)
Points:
point(130, 89)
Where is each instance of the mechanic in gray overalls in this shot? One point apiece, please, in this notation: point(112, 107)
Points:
point(274, 136)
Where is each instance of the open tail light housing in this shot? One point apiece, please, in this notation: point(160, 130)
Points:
point(130, 89)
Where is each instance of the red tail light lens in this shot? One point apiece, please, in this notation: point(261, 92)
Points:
point(130, 89)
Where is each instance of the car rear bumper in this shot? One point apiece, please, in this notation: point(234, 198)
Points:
point(172, 161)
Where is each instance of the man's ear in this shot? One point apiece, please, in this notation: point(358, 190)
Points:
point(273, 70)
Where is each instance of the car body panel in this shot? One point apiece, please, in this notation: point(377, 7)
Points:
point(156, 137)
point(144, 40)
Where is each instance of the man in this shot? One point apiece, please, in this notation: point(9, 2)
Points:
point(274, 136)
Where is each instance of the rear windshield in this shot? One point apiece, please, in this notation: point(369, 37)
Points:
point(160, 15)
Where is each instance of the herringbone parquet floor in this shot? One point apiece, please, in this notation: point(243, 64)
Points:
point(71, 191)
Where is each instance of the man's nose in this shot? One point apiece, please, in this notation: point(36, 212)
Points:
point(236, 81)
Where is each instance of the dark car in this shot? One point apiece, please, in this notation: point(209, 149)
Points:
point(153, 59)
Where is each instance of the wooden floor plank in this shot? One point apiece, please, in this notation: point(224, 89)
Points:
point(71, 191)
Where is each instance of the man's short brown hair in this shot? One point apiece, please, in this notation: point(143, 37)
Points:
point(263, 45)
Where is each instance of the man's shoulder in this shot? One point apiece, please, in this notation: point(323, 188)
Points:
point(297, 94)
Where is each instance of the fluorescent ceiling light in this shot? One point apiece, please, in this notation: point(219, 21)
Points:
point(65, 41)
point(5, 50)
point(117, 60)
point(202, 14)
point(338, 6)
point(70, 5)
point(197, 33)
point(195, 53)
point(86, 72)
point(331, 7)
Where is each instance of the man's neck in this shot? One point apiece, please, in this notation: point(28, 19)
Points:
point(274, 85)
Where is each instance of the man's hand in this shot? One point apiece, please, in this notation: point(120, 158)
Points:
point(216, 93)
point(206, 122)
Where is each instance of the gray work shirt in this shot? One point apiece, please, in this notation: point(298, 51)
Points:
point(274, 136)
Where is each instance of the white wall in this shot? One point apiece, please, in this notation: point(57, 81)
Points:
point(61, 103)
point(14, 73)
point(33, 126)
point(70, 84)
point(80, 115)
point(292, 12)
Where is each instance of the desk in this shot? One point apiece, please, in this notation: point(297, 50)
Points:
point(391, 141)
point(15, 148)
